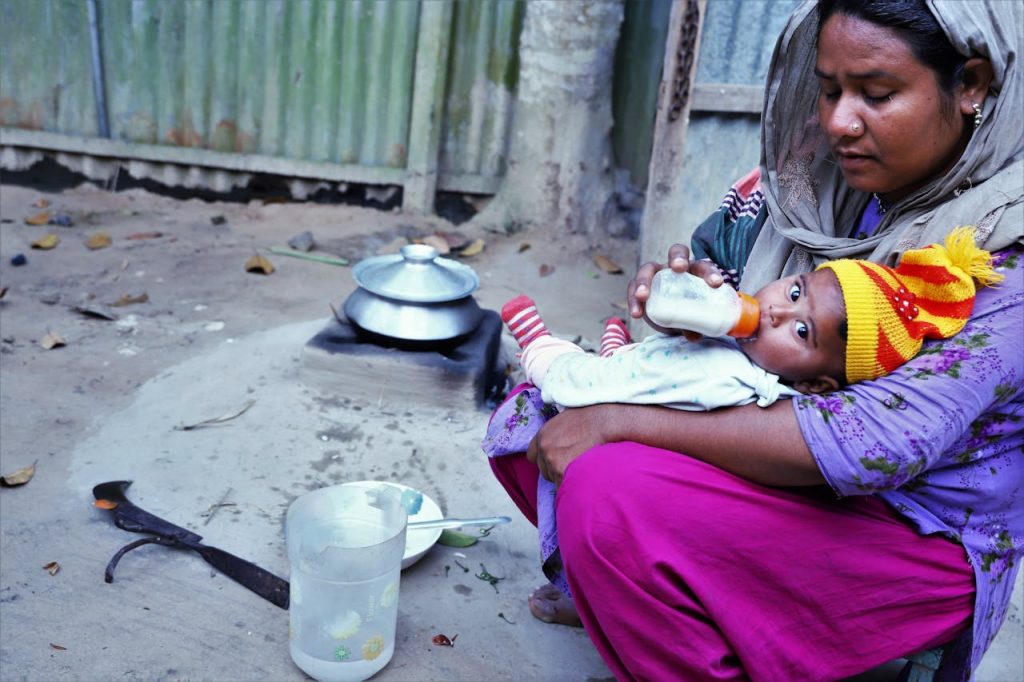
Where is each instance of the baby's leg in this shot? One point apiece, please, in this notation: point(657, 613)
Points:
point(541, 352)
point(615, 336)
point(522, 319)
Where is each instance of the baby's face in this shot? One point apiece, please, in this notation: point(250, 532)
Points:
point(799, 335)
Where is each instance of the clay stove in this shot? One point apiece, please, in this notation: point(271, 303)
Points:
point(461, 373)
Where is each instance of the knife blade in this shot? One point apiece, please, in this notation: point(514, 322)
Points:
point(247, 574)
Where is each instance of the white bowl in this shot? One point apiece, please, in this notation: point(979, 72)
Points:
point(417, 541)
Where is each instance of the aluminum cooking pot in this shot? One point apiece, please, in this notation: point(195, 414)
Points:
point(415, 295)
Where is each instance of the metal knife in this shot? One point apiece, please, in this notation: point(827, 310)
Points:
point(129, 517)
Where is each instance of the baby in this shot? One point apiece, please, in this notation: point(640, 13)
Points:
point(847, 321)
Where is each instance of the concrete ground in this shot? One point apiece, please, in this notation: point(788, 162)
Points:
point(209, 338)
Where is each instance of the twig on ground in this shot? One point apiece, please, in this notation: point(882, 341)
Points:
point(217, 420)
point(214, 508)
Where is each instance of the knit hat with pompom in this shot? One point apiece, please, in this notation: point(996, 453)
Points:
point(929, 295)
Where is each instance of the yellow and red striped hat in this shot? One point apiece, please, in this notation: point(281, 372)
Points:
point(890, 311)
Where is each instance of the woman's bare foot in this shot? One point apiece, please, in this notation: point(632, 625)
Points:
point(549, 604)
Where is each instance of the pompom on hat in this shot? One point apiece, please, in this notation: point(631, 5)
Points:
point(929, 295)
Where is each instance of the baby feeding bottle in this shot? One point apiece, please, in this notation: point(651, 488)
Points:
point(680, 300)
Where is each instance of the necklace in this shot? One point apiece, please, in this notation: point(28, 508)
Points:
point(878, 200)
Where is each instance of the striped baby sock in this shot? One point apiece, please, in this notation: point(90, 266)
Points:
point(522, 319)
point(615, 336)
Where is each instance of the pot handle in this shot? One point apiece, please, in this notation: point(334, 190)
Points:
point(419, 253)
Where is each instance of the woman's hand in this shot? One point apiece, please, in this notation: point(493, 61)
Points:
point(760, 444)
point(639, 288)
point(567, 436)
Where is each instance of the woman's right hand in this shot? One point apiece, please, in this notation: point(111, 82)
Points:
point(568, 435)
point(639, 288)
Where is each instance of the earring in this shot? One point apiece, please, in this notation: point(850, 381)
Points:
point(855, 127)
point(977, 115)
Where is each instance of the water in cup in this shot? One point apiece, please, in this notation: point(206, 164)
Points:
point(345, 547)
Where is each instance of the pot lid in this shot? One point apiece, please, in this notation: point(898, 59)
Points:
point(418, 274)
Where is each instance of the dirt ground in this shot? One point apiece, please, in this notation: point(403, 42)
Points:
point(209, 337)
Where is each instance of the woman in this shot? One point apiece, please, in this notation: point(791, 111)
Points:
point(886, 125)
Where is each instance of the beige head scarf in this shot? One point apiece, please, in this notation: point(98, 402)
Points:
point(809, 203)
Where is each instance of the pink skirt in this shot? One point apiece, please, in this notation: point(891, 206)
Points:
point(681, 571)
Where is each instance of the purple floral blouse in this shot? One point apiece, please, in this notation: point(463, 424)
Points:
point(942, 441)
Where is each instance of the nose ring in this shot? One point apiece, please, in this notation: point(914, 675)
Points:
point(854, 127)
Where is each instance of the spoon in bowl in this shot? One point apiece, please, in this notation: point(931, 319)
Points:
point(456, 523)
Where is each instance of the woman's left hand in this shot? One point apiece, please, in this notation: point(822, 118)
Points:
point(565, 437)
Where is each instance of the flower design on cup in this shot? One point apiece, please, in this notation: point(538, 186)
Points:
point(342, 653)
point(389, 595)
point(373, 647)
point(345, 625)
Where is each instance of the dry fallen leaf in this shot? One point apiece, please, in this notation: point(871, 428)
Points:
point(3, 291)
point(442, 640)
point(98, 240)
point(46, 243)
point(144, 235)
point(52, 340)
point(94, 311)
point(38, 219)
point(607, 264)
point(105, 504)
point(58, 647)
point(53, 567)
point(19, 477)
point(438, 242)
point(474, 248)
point(128, 299)
point(525, 246)
point(41, 203)
point(259, 264)
point(546, 269)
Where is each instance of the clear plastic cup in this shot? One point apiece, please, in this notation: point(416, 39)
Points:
point(345, 547)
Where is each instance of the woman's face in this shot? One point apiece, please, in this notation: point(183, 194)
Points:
point(890, 127)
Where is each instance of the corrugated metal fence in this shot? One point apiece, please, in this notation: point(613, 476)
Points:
point(208, 92)
point(317, 89)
